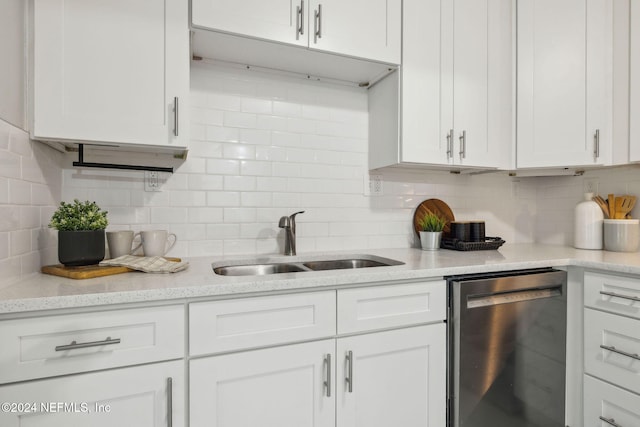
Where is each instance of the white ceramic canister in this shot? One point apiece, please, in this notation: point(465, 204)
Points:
point(588, 224)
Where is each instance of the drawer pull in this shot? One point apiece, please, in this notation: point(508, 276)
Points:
point(327, 383)
point(75, 345)
point(349, 378)
point(610, 421)
point(613, 294)
point(624, 353)
point(169, 402)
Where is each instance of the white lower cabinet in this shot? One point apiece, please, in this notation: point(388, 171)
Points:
point(383, 363)
point(141, 396)
point(607, 405)
point(276, 387)
point(393, 378)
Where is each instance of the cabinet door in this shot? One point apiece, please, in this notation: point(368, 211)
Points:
point(109, 71)
point(276, 387)
point(276, 20)
point(480, 66)
point(368, 29)
point(606, 405)
point(564, 82)
point(634, 122)
point(394, 378)
point(139, 396)
point(423, 135)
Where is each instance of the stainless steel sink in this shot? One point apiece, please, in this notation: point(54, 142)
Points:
point(257, 269)
point(265, 266)
point(338, 264)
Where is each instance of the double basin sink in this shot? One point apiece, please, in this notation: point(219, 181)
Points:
point(261, 267)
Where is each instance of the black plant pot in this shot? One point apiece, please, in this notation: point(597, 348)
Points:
point(77, 248)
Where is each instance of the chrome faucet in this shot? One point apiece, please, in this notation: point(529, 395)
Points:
point(289, 225)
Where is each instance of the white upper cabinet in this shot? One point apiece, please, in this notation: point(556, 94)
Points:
point(358, 28)
point(276, 20)
point(565, 85)
point(454, 91)
point(634, 92)
point(111, 72)
point(12, 71)
point(362, 28)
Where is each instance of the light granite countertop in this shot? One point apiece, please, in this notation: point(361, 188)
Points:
point(45, 292)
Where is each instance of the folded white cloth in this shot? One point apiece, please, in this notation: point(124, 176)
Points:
point(154, 264)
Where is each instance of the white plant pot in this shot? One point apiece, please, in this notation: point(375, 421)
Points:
point(430, 240)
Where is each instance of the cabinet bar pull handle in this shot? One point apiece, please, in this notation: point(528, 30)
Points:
point(318, 24)
point(596, 144)
point(300, 20)
point(175, 116)
point(610, 421)
point(76, 345)
point(613, 294)
point(169, 402)
point(624, 353)
point(327, 383)
point(463, 145)
point(450, 144)
point(349, 378)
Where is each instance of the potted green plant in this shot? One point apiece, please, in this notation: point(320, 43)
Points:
point(80, 228)
point(431, 225)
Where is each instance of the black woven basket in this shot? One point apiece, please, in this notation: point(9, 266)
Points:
point(458, 245)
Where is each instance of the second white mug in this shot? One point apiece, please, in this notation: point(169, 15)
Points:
point(156, 242)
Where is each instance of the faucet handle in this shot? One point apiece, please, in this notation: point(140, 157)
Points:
point(284, 222)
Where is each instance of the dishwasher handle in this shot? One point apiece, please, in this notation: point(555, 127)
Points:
point(511, 297)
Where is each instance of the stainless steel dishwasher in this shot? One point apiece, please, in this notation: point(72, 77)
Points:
point(507, 351)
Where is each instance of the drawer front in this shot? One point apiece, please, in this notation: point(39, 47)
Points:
point(616, 294)
point(603, 401)
point(57, 345)
point(612, 348)
point(366, 309)
point(222, 326)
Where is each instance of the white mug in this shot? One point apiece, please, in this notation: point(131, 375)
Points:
point(154, 242)
point(119, 242)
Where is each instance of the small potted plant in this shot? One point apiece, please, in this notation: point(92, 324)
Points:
point(431, 226)
point(80, 228)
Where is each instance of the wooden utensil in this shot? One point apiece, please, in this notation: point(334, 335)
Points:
point(612, 206)
point(603, 205)
point(623, 206)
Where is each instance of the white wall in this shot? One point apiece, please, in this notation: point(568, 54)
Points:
point(30, 188)
point(263, 146)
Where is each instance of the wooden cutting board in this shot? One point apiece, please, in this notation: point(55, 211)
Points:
point(89, 271)
point(437, 207)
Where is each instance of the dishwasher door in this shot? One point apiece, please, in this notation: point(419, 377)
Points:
point(507, 349)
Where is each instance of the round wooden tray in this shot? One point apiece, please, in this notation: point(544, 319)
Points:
point(437, 207)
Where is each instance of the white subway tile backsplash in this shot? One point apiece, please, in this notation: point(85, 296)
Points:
point(217, 231)
point(255, 136)
point(203, 215)
point(257, 168)
point(239, 183)
point(222, 134)
point(258, 106)
point(205, 182)
point(19, 192)
point(187, 198)
point(4, 245)
point(238, 151)
point(237, 215)
point(168, 215)
point(287, 109)
point(255, 199)
point(239, 120)
point(223, 198)
point(223, 167)
point(10, 165)
point(20, 242)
